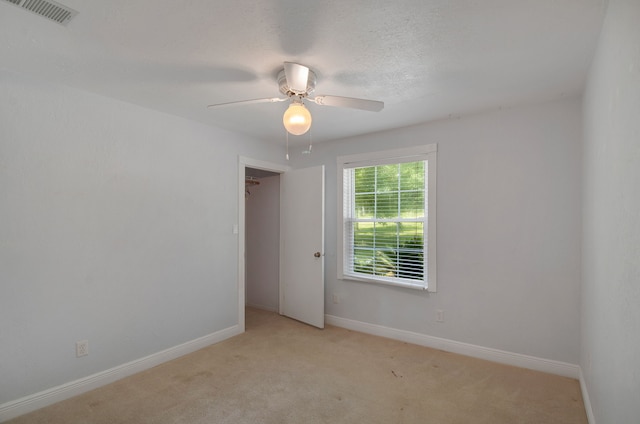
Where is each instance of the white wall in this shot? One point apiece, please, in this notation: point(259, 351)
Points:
point(263, 244)
point(610, 355)
point(115, 226)
point(508, 232)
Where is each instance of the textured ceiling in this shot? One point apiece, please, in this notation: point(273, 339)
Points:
point(425, 59)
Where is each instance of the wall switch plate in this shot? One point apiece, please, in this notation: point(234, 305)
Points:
point(82, 348)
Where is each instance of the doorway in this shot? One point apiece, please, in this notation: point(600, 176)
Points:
point(262, 239)
point(300, 253)
point(259, 236)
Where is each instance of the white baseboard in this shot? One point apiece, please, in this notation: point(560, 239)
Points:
point(47, 397)
point(586, 400)
point(495, 355)
point(39, 400)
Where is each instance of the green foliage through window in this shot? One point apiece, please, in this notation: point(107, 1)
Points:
point(387, 219)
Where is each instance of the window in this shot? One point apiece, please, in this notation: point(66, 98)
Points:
point(387, 204)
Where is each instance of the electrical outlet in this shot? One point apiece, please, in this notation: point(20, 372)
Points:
point(336, 298)
point(82, 348)
point(439, 315)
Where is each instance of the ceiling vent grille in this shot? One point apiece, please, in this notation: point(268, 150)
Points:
point(47, 8)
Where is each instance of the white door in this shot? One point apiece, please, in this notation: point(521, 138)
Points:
point(302, 245)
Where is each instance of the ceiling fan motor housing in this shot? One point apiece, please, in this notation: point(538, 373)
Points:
point(284, 87)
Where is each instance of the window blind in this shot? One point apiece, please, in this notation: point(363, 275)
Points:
point(385, 216)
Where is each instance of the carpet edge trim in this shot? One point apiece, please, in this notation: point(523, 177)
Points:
point(495, 355)
point(24, 405)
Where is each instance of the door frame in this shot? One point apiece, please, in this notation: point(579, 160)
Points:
point(243, 163)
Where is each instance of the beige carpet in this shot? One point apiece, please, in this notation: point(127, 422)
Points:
point(282, 371)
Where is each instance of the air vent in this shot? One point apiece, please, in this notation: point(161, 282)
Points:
point(47, 9)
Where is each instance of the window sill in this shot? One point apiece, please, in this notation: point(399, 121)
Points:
point(402, 284)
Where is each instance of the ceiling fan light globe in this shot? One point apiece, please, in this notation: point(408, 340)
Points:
point(297, 119)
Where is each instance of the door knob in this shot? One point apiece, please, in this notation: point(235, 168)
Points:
point(317, 254)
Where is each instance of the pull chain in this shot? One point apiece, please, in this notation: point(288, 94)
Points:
point(308, 152)
point(287, 155)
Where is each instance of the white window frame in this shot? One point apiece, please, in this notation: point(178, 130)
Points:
point(412, 154)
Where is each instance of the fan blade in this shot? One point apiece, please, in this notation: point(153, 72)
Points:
point(297, 77)
point(249, 102)
point(350, 102)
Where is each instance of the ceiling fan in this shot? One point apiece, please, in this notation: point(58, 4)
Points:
point(297, 82)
